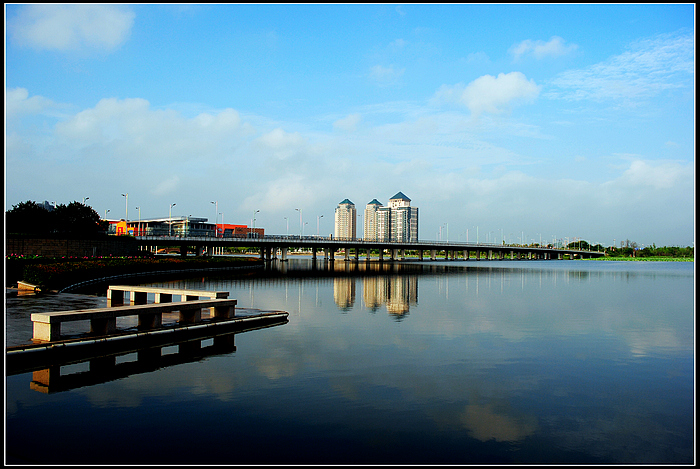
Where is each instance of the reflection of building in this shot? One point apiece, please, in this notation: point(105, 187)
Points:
point(397, 293)
point(344, 292)
point(371, 292)
point(346, 220)
point(402, 292)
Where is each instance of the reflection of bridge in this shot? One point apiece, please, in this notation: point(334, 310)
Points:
point(278, 247)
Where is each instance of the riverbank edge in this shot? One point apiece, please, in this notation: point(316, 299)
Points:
point(56, 282)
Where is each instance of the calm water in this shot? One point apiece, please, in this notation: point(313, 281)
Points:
point(441, 362)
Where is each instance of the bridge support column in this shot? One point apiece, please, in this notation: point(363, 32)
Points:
point(394, 254)
point(357, 254)
point(420, 254)
point(283, 254)
point(465, 254)
point(403, 254)
point(433, 253)
point(313, 253)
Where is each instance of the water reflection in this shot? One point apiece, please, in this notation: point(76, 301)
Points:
point(504, 362)
point(88, 364)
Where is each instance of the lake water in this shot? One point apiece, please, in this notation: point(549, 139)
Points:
point(434, 362)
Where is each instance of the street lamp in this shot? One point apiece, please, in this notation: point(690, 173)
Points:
point(84, 199)
point(254, 219)
point(106, 212)
point(216, 217)
point(287, 220)
point(318, 225)
point(126, 215)
point(300, 225)
point(170, 228)
point(139, 228)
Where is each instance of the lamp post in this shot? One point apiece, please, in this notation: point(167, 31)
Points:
point(84, 199)
point(216, 217)
point(287, 220)
point(254, 219)
point(139, 226)
point(301, 227)
point(318, 225)
point(106, 212)
point(170, 228)
point(126, 215)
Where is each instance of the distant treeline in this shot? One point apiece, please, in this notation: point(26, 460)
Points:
point(652, 251)
point(72, 220)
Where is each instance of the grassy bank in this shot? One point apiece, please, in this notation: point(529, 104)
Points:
point(58, 273)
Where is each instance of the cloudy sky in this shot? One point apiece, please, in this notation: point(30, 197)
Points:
point(521, 121)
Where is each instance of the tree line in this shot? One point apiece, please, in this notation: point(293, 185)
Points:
point(73, 220)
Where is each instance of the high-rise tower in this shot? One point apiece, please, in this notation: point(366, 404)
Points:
point(346, 220)
point(398, 221)
point(371, 228)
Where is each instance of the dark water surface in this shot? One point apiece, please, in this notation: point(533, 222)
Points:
point(438, 362)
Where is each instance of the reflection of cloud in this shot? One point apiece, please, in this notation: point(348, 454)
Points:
point(486, 424)
point(642, 342)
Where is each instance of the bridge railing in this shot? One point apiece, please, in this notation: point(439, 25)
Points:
point(311, 239)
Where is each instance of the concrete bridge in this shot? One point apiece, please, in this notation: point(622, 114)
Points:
point(278, 247)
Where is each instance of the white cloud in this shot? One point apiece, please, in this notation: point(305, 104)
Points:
point(490, 94)
point(18, 103)
point(348, 124)
point(647, 68)
point(166, 186)
point(540, 49)
point(130, 130)
point(385, 75)
point(282, 145)
point(71, 27)
point(660, 176)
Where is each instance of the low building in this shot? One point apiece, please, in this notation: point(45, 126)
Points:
point(191, 227)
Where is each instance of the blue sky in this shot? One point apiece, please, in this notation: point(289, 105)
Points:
point(516, 121)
